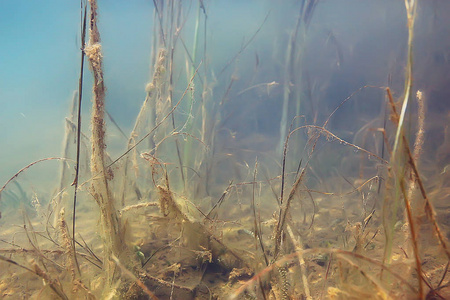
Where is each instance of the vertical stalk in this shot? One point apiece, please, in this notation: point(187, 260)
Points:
point(289, 75)
point(77, 169)
point(64, 165)
point(173, 40)
point(400, 155)
point(411, 6)
point(114, 245)
point(187, 159)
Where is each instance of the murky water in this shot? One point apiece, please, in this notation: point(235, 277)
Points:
point(253, 149)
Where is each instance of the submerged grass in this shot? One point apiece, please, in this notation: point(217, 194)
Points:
point(192, 220)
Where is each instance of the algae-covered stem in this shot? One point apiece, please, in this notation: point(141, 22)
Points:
point(114, 244)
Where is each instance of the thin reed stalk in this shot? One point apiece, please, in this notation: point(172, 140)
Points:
point(77, 167)
point(64, 166)
point(398, 161)
point(146, 116)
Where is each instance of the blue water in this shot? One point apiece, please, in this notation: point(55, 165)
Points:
point(348, 45)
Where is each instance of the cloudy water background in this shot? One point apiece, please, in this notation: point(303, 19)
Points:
point(346, 45)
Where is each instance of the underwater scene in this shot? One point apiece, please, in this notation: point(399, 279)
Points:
point(225, 149)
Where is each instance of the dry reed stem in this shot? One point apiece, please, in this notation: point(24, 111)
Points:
point(394, 116)
point(314, 206)
point(388, 224)
point(301, 261)
point(412, 162)
point(367, 129)
point(245, 45)
point(77, 166)
point(257, 221)
point(283, 163)
point(418, 143)
point(355, 189)
point(413, 233)
point(34, 242)
point(411, 6)
point(137, 206)
point(66, 145)
point(72, 264)
point(288, 79)
point(175, 133)
point(207, 90)
point(219, 202)
point(429, 210)
point(347, 99)
point(188, 157)
point(267, 85)
point(156, 126)
point(373, 280)
point(283, 214)
point(54, 284)
point(329, 135)
point(170, 92)
point(160, 17)
point(67, 245)
point(146, 111)
point(152, 94)
point(316, 137)
point(385, 138)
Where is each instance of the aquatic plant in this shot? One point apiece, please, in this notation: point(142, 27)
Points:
point(198, 207)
